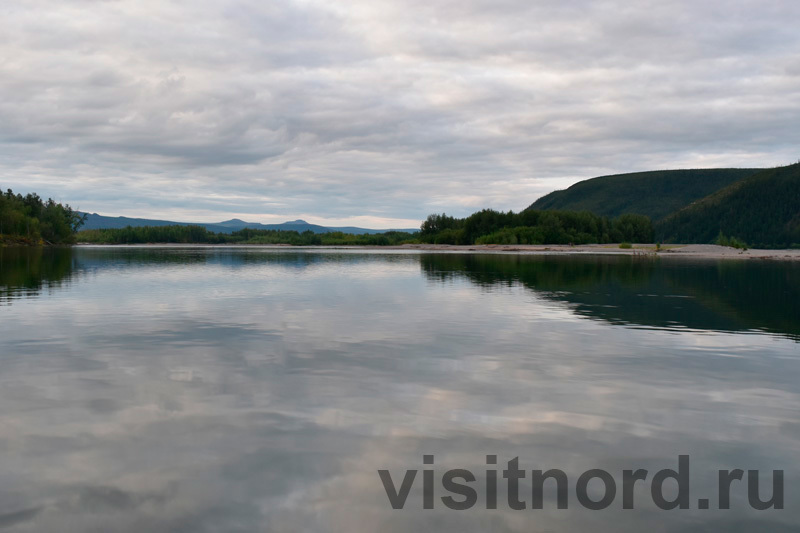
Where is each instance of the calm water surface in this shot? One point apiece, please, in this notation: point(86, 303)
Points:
point(228, 390)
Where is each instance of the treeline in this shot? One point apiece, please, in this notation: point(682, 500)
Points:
point(484, 227)
point(200, 235)
point(30, 220)
point(151, 234)
point(535, 227)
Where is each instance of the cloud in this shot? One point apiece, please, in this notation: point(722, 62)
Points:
point(381, 111)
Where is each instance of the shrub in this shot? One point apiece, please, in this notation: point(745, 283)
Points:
point(732, 242)
point(736, 243)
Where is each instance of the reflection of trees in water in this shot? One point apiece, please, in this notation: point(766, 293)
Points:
point(153, 257)
point(707, 295)
point(25, 271)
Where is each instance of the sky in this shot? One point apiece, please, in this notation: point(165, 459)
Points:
point(379, 112)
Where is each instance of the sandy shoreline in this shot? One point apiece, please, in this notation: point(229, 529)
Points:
point(669, 250)
point(710, 251)
point(705, 251)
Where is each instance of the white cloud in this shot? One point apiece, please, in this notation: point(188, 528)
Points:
point(384, 110)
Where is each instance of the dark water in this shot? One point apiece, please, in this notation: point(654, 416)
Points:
point(261, 390)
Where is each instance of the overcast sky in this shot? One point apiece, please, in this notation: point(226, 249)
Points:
point(379, 112)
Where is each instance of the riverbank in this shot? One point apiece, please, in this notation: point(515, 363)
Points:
point(669, 250)
point(8, 240)
point(706, 251)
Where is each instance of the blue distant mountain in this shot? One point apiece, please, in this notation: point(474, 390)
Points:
point(95, 221)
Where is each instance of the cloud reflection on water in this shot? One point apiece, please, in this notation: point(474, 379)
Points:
point(220, 390)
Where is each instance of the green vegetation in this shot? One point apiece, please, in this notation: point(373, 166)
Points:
point(625, 245)
point(535, 227)
point(732, 242)
point(655, 194)
point(30, 220)
point(151, 234)
point(200, 235)
point(483, 227)
point(763, 209)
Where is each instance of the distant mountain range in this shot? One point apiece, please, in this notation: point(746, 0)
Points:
point(759, 206)
point(95, 221)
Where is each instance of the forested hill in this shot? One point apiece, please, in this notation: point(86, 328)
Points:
point(655, 194)
point(763, 210)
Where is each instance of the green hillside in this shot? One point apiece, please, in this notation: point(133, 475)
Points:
point(763, 210)
point(655, 194)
